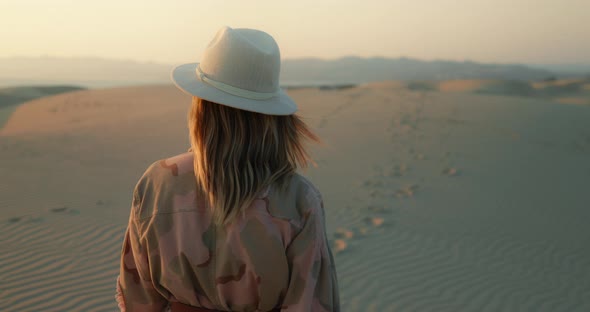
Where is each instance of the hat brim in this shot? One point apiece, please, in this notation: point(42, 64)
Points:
point(186, 79)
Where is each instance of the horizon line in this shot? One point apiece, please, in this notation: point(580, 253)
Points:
point(325, 59)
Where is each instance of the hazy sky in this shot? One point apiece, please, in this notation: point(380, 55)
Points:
point(176, 31)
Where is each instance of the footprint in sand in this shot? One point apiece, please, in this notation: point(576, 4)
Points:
point(342, 233)
point(363, 231)
point(373, 183)
point(375, 193)
point(37, 218)
point(101, 202)
point(59, 209)
point(377, 209)
point(375, 221)
point(451, 172)
point(398, 170)
point(420, 157)
point(27, 219)
point(15, 219)
point(339, 245)
point(64, 210)
point(341, 237)
point(406, 192)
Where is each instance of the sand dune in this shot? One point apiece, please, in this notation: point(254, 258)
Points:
point(79, 110)
point(17, 95)
point(555, 90)
point(435, 201)
point(12, 96)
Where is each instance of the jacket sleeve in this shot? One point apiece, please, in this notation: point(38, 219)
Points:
point(313, 284)
point(135, 290)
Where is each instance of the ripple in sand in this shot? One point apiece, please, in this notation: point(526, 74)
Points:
point(56, 266)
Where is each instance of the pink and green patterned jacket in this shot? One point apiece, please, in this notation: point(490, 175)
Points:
point(274, 257)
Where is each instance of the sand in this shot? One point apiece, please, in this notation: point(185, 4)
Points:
point(11, 97)
point(435, 201)
point(566, 91)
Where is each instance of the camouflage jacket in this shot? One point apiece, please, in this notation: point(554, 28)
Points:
point(276, 256)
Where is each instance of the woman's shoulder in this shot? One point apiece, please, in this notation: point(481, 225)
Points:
point(176, 165)
point(166, 168)
point(305, 188)
point(296, 200)
point(163, 176)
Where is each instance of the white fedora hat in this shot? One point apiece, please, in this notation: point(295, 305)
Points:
point(240, 68)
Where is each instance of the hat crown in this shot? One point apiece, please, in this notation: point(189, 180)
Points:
point(239, 68)
point(248, 59)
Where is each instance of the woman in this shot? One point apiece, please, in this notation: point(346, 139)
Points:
point(230, 225)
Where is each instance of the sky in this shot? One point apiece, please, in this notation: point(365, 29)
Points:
point(177, 31)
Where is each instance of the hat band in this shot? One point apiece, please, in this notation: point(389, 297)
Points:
point(252, 95)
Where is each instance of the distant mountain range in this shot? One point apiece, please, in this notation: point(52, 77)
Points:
point(88, 72)
point(359, 70)
point(96, 72)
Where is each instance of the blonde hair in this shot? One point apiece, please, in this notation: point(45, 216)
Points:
point(238, 154)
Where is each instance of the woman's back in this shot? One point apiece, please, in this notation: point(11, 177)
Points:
point(230, 225)
point(275, 255)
